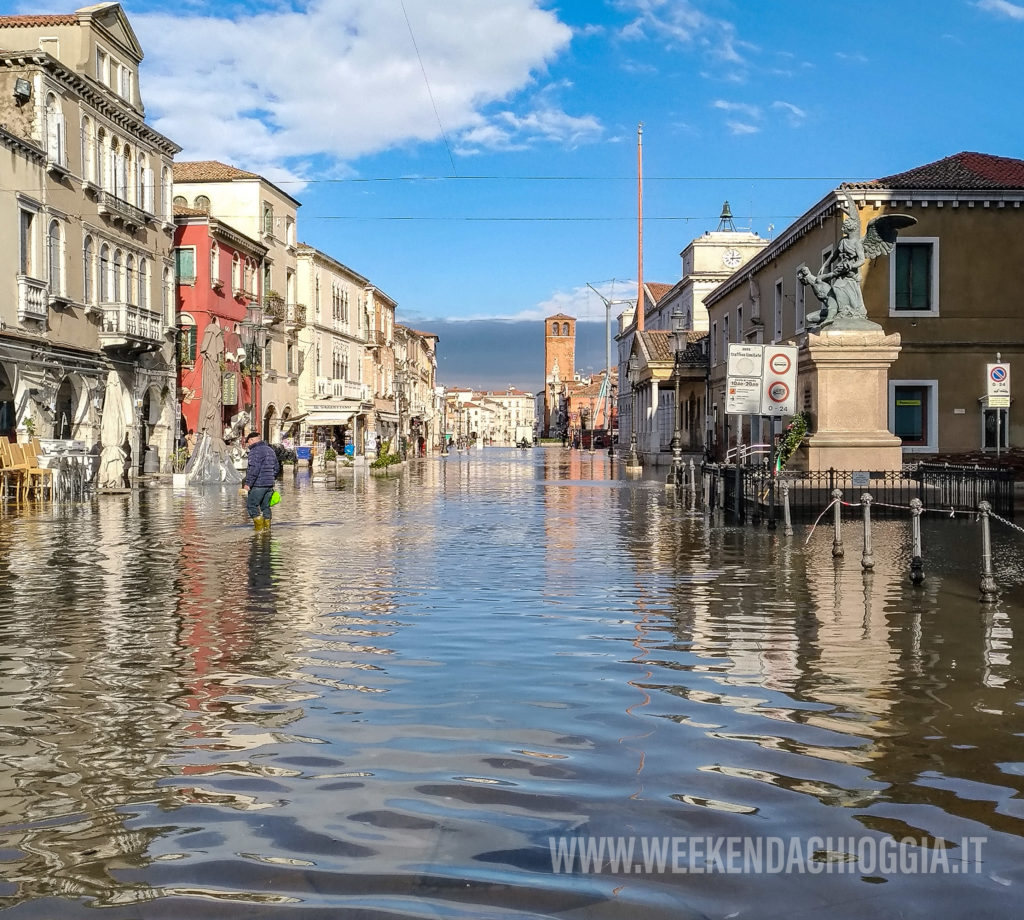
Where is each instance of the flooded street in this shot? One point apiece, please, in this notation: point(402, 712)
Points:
point(401, 701)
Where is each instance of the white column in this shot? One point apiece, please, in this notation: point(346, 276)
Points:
point(653, 435)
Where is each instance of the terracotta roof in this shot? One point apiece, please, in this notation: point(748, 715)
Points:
point(424, 335)
point(961, 172)
point(658, 290)
point(64, 19)
point(190, 212)
point(209, 171)
point(559, 316)
point(658, 343)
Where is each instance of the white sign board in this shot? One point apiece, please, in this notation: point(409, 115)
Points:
point(761, 380)
point(998, 384)
point(743, 396)
point(778, 395)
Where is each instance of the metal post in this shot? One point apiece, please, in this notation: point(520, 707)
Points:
point(837, 522)
point(916, 562)
point(787, 522)
point(867, 560)
point(693, 478)
point(988, 581)
point(738, 492)
point(771, 473)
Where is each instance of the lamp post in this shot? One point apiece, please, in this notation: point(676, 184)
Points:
point(634, 378)
point(254, 338)
point(679, 344)
point(399, 387)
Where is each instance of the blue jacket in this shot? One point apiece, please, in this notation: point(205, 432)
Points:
point(263, 465)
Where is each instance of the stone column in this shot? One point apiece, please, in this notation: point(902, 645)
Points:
point(845, 374)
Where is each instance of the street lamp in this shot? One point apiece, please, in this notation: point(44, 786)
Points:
point(254, 338)
point(399, 388)
point(679, 346)
point(634, 379)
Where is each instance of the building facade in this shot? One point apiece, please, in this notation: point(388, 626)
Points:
point(87, 317)
point(261, 211)
point(559, 366)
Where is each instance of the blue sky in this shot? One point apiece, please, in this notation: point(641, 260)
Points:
point(379, 114)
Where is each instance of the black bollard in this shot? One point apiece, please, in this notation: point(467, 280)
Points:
point(988, 581)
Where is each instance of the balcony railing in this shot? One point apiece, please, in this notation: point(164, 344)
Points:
point(127, 325)
point(119, 209)
point(376, 337)
point(345, 389)
point(33, 298)
point(295, 317)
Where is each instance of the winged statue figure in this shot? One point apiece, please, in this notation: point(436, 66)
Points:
point(837, 283)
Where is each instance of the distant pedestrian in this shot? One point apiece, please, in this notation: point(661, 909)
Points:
point(259, 480)
point(190, 441)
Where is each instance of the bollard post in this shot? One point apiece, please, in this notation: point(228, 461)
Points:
point(837, 523)
point(988, 581)
point(867, 560)
point(721, 488)
point(916, 562)
point(693, 478)
point(787, 521)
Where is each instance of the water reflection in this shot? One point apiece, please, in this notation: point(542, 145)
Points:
point(389, 703)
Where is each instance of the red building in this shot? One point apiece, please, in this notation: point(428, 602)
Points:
point(219, 274)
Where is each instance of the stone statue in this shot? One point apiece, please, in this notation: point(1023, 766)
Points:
point(837, 284)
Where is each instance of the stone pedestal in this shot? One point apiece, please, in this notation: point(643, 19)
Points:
point(844, 376)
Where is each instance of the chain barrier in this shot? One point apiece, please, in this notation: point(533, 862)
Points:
point(992, 514)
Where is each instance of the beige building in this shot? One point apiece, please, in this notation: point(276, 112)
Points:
point(335, 401)
point(262, 211)
point(377, 316)
point(86, 260)
point(947, 289)
point(416, 358)
point(514, 415)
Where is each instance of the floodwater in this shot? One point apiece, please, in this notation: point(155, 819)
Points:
point(413, 691)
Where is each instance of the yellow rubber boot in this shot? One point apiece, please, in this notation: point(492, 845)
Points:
point(257, 523)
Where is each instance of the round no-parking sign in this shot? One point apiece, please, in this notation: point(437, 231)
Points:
point(779, 363)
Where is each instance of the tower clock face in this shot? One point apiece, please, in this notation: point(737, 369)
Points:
point(731, 258)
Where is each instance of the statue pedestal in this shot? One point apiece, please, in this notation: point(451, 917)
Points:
point(846, 373)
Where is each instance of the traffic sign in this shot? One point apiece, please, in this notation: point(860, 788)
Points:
point(998, 380)
point(745, 360)
point(778, 396)
point(743, 396)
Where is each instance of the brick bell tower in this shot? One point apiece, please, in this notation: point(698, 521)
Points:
point(559, 367)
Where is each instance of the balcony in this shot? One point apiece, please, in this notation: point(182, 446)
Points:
point(117, 209)
point(33, 299)
point(345, 389)
point(376, 338)
point(295, 317)
point(323, 388)
point(127, 327)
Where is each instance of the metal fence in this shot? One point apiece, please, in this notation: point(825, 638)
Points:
point(745, 491)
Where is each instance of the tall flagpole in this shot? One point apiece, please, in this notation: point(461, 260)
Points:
point(640, 227)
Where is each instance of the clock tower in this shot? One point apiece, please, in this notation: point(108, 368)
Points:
point(559, 367)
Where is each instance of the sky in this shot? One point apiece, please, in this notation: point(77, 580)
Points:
point(477, 159)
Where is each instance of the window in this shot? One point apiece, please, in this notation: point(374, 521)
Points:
point(104, 276)
point(185, 264)
point(88, 150)
point(180, 201)
point(913, 277)
point(27, 255)
point(203, 203)
point(102, 66)
point(55, 257)
point(143, 283)
point(88, 271)
point(739, 324)
point(168, 292)
point(289, 358)
point(129, 279)
point(165, 191)
point(267, 354)
point(289, 224)
point(268, 219)
point(714, 343)
point(56, 147)
point(554, 328)
point(778, 311)
point(187, 341)
point(236, 272)
point(913, 409)
point(565, 328)
point(147, 200)
point(115, 276)
point(267, 286)
point(214, 265)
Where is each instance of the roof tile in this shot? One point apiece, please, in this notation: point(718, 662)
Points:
point(64, 19)
point(964, 171)
point(209, 171)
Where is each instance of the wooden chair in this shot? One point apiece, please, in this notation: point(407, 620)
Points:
point(15, 471)
point(36, 477)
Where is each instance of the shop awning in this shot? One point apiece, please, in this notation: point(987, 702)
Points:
point(287, 423)
point(329, 417)
point(391, 417)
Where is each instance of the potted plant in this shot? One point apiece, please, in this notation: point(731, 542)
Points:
point(179, 460)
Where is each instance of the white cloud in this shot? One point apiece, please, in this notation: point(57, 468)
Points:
point(1002, 8)
point(679, 22)
point(795, 114)
point(740, 127)
point(341, 79)
point(580, 302)
point(744, 108)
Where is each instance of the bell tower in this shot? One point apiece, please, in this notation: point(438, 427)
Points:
point(559, 367)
